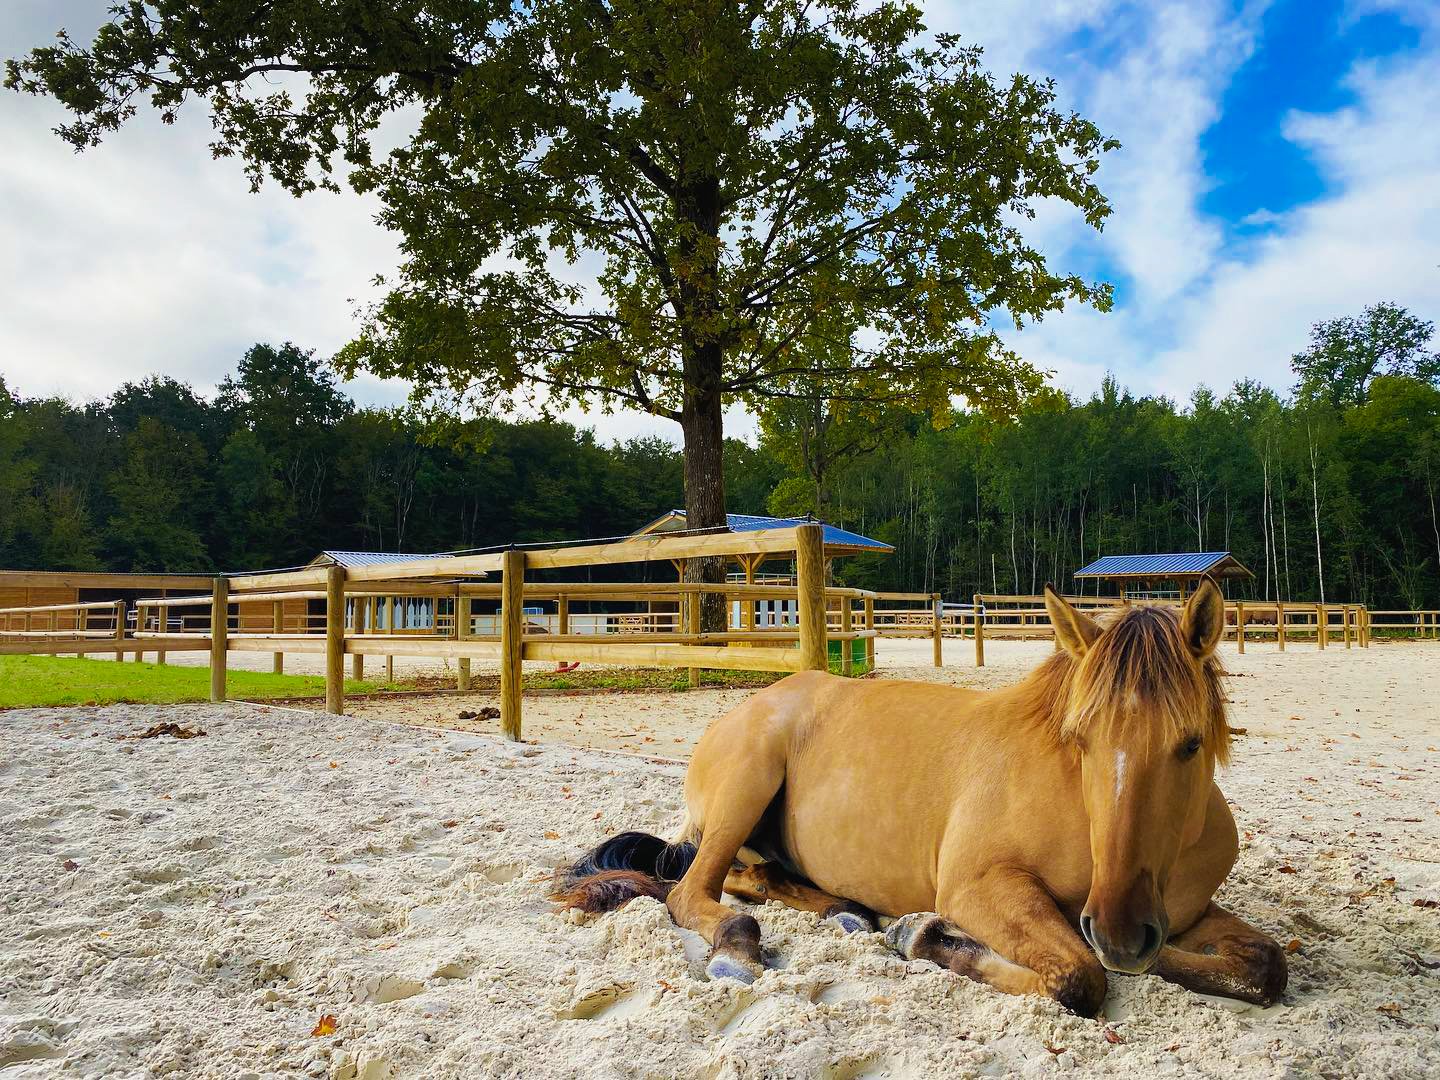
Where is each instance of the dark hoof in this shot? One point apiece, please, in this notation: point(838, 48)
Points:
point(736, 952)
point(904, 932)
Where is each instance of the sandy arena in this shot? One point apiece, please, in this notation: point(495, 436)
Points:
point(199, 907)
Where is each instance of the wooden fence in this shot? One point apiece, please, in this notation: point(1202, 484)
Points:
point(169, 624)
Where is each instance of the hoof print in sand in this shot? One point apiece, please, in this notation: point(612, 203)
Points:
point(593, 1002)
point(383, 989)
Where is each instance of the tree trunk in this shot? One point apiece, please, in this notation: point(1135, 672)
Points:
point(702, 421)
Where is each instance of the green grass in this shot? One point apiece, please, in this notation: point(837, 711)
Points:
point(34, 681)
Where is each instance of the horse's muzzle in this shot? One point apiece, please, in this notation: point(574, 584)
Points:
point(1127, 934)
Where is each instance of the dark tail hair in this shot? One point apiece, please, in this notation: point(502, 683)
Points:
point(625, 866)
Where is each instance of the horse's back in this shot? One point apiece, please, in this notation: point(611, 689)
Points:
point(870, 769)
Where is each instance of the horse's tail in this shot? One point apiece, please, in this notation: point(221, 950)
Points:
point(622, 868)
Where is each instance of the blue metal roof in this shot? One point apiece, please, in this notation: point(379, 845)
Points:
point(1220, 563)
point(352, 559)
point(833, 535)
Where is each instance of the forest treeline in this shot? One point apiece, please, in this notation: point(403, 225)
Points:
point(1334, 486)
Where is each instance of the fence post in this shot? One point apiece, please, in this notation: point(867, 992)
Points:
point(562, 614)
point(219, 633)
point(847, 644)
point(938, 607)
point(119, 627)
point(1322, 625)
point(691, 605)
point(870, 626)
point(139, 627)
point(162, 626)
point(979, 632)
point(1280, 625)
point(512, 644)
point(1345, 628)
point(462, 631)
point(1240, 625)
point(277, 626)
point(810, 586)
point(335, 640)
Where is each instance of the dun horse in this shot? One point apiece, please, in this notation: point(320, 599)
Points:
point(1029, 838)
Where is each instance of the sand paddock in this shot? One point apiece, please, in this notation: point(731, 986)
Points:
point(194, 908)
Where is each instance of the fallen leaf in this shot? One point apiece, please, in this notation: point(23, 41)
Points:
point(324, 1026)
point(450, 824)
point(1293, 946)
point(334, 764)
point(1422, 902)
point(71, 864)
point(1113, 1037)
point(1055, 1049)
point(552, 836)
point(1288, 870)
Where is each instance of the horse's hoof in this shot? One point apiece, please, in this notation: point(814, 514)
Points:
point(902, 934)
point(851, 923)
point(729, 967)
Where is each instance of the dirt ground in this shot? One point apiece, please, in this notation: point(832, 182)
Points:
point(294, 894)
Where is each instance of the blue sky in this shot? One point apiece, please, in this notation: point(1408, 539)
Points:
point(1281, 164)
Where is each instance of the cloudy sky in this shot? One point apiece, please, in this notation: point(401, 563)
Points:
point(1281, 164)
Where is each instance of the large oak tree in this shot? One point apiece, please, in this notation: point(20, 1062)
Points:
point(646, 204)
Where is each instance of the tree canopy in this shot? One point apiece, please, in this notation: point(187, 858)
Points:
point(748, 182)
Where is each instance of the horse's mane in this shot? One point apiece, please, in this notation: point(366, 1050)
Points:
point(1138, 671)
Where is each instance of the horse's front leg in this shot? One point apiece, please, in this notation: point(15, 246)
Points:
point(1226, 956)
point(1005, 930)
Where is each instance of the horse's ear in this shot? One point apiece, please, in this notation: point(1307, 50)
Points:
point(1074, 630)
point(1204, 619)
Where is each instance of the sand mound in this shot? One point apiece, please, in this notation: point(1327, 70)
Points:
point(197, 907)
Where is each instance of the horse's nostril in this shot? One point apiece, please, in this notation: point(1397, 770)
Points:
point(1085, 931)
point(1152, 942)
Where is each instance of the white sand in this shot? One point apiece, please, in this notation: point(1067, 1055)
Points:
point(228, 891)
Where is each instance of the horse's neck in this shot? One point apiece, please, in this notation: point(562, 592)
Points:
point(1035, 705)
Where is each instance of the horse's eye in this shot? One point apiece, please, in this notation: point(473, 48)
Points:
point(1190, 747)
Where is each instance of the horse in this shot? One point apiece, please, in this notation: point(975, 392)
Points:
point(1030, 838)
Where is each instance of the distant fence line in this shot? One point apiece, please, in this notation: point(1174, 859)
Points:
point(997, 616)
